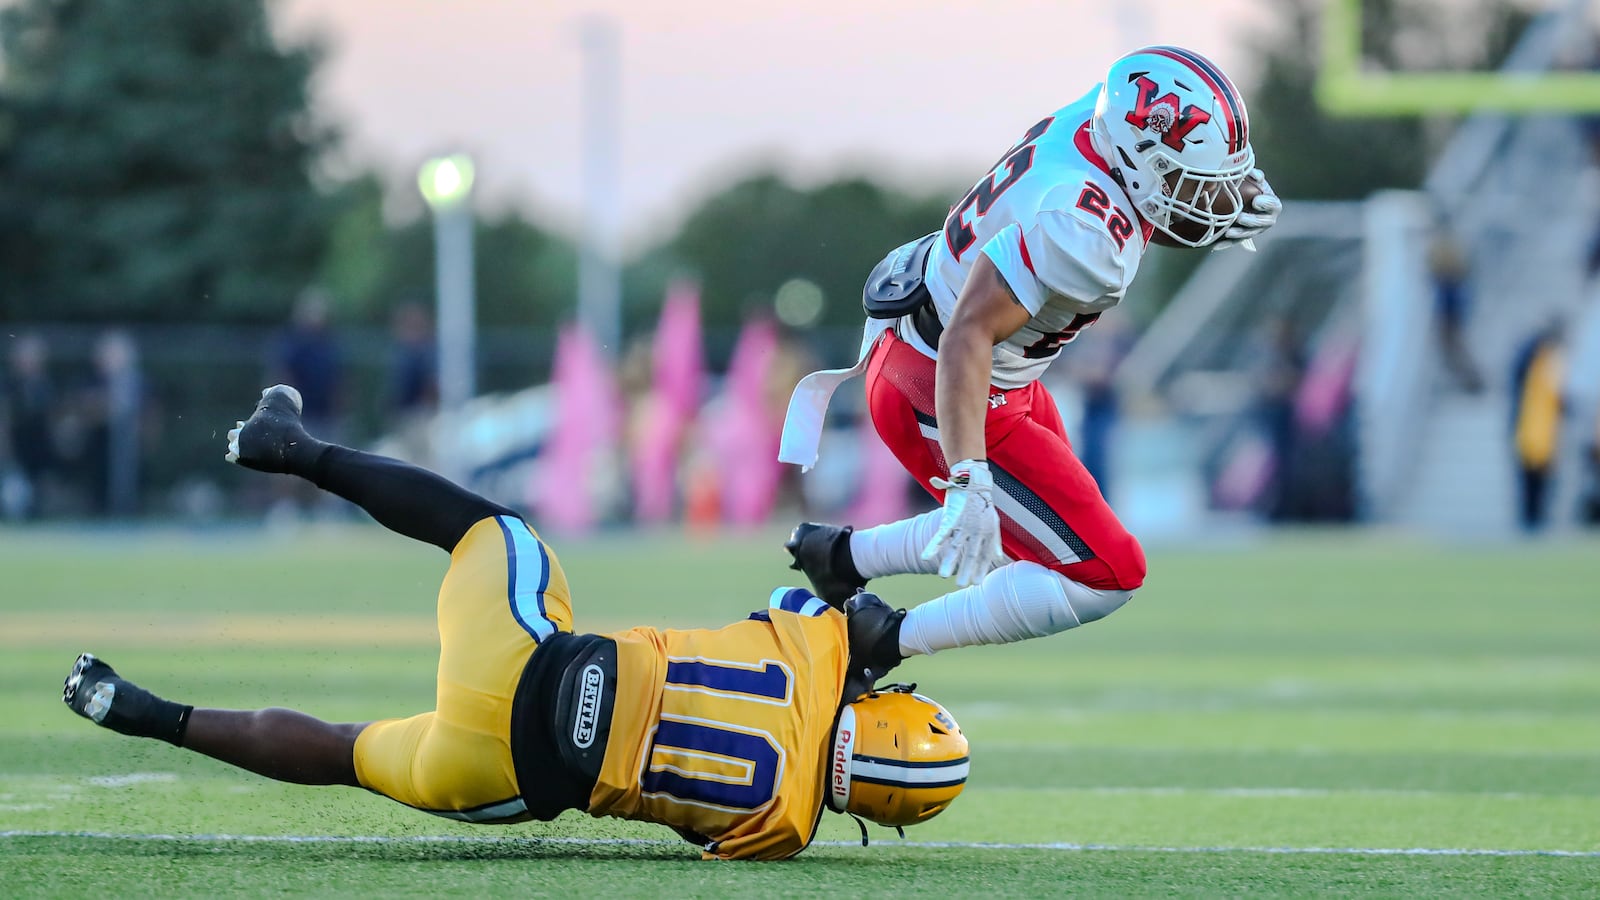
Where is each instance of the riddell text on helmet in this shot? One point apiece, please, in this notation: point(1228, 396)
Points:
point(841, 780)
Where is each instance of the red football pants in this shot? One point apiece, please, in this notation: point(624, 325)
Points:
point(1051, 510)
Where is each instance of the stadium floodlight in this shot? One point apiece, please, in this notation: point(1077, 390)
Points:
point(446, 183)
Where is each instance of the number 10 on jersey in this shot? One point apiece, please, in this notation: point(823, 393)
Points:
point(714, 763)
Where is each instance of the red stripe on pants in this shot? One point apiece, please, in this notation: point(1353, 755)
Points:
point(1025, 437)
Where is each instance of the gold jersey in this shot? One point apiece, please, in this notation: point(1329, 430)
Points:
point(724, 733)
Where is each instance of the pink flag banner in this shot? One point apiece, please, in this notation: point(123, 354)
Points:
point(576, 471)
point(678, 379)
point(743, 431)
point(678, 361)
point(1325, 391)
point(881, 495)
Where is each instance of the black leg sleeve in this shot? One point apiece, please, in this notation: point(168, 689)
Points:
point(406, 499)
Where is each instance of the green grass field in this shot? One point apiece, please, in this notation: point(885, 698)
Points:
point(1317, 715)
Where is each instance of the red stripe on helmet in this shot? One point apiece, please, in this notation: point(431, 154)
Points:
point(1233, 112)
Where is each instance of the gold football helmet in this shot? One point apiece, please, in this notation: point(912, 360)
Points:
point(898, 758)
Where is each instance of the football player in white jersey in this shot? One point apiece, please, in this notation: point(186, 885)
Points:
point(963, 322)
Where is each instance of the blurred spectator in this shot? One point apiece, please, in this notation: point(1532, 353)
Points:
point(1589, 509)
point(30, 430)
point(1279, 369)
point(1589, 125)
point(792, 359)
point(1581, 395)
point(413, 367)
point(1536, 409)
point(734, 477)
point(308, 357)
point(663, 380)
point(412, 394)
point(1449, 270)
point(1092, 361)
point(1323, 489)
point(112, 406)
point(652, 479)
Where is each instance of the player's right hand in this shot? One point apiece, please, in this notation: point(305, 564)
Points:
point(967, 544)
point(1260, 214)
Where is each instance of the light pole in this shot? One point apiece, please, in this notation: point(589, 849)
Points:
point(446, 183)
point(599, 277)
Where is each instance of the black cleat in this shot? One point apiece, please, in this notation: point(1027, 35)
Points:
point(874, 630)
point(263, 441)
point(94, 690)
point(823, 553)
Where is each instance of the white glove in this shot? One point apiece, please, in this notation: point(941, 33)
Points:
point(1262, 214)
point(967, 543)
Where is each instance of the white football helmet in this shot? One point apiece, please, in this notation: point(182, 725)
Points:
point(1174, 131)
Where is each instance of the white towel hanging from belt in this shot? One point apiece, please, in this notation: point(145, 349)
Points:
point(808, 406)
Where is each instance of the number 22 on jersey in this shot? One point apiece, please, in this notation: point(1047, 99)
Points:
point(958, 232)
point(708, 760)
point(1094, 201)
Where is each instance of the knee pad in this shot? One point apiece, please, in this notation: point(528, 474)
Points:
point(1013, 603)
point(1050, 601)
point(1091, 604)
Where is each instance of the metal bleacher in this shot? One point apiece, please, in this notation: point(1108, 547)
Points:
point(1428, 456)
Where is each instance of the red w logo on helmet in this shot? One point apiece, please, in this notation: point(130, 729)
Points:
point(1162, 114)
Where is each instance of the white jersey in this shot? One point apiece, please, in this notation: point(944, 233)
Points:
point(1062, 233)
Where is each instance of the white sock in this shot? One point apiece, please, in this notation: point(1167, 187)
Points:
point(896, 548)
point(1013, 603)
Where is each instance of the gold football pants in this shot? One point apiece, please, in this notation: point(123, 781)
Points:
point(504, 594)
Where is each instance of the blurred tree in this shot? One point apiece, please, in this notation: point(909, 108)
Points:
point(1310, 154)
point(524, 275)
point(360, 254)
point(762, 231)
point(158, 162)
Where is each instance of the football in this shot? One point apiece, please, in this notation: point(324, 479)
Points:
point(1249, 190)
point(1222, 203)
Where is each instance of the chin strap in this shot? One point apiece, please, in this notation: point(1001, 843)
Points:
point(862, 825)
point(899, 829)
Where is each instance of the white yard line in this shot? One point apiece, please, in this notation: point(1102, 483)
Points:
point(137, 778)
point(132, 778)
point(641, 842)
point(1275, 792)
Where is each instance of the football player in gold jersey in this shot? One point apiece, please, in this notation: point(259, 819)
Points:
point(737, 738)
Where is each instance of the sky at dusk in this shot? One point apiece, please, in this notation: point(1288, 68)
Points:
point(907, 92)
